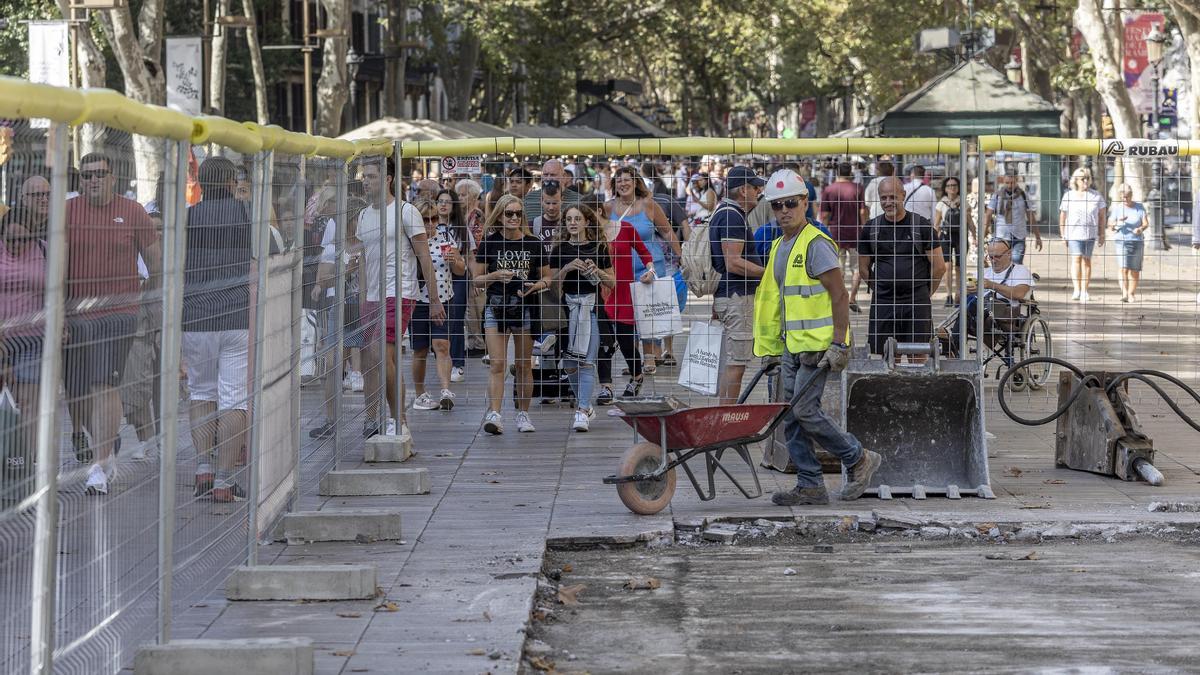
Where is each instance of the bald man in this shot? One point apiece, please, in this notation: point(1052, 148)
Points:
point(552, 170)
point(35, 198)
point(900, 257)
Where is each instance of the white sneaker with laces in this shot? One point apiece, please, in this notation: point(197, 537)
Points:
point(457, 374)
point(581, 421)
point(356, 381)
point(425, 401)
point(447, 400)
point(524, 425)
point(97, 481)
point(493, 423)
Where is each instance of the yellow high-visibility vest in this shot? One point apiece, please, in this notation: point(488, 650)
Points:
point(806, 324)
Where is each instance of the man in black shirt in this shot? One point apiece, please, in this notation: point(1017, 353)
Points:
point(901, 259)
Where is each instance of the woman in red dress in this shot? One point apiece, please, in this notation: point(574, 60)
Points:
point(617, 325)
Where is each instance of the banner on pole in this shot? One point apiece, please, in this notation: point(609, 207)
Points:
point(49, 58)
point(184, 71)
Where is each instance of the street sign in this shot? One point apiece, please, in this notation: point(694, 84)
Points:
point(1139, 147)
point(469, 165)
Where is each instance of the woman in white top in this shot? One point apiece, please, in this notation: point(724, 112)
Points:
point(701, 198)
point(1079, 220)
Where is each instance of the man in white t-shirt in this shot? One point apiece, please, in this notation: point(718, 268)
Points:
point(414, 251)
point(885, 169)
point(919, 197)
point(1005, 285)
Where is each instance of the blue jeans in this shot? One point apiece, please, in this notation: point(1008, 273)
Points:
point(806, 422)
point(457, 310)
point(582, 374)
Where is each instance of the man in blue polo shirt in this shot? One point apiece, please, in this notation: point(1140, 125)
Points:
point(735, 258)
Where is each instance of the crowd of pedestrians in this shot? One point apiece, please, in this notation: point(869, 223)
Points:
point(534, 273)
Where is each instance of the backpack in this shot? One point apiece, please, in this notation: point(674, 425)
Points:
point(696, 259)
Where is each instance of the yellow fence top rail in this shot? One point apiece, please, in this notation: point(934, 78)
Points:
point(702, 145)
point(1136, 147)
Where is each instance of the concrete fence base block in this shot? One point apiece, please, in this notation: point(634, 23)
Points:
point(364, 525)
point(373, 482)
point(302, 582)
point(263, 656)
point(388, 449)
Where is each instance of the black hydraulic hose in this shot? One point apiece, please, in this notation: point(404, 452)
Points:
point(1082, 380)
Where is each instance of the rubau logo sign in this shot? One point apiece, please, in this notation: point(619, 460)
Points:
point(1137, 147)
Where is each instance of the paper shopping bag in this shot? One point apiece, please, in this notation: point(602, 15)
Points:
point(701, 365)
point(656, 309)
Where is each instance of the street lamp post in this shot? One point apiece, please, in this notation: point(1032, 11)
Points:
point(353, 61)
point(1155, 41)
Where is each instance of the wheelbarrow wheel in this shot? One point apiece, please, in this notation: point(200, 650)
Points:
point(645, 497)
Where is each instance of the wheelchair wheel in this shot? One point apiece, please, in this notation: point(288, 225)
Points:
point(1036, 341)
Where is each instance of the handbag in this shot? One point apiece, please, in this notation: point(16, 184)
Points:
point(700, 368)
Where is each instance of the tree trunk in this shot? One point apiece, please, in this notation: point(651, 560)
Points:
point(394, 55)
point(216, 67)
point(333, 87)
point(256, 66)
point(463, 83)
point(139, 58)
point(1102, 27)
point(93, 74)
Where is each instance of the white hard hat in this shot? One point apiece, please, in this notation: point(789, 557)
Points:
point(784, 183)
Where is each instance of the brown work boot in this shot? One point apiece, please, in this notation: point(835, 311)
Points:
point(799, 496)
point(858, 477)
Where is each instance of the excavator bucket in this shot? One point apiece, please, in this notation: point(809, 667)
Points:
point(925, 419)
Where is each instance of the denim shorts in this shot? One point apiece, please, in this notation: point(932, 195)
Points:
point(1132, 251)
point(490, 321)
point(1081, 247)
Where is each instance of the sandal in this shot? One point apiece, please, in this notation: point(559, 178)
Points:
point(668, 360)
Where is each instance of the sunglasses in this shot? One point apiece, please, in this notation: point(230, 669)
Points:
point(512, 214)
point(781, 204)
point(95, 173)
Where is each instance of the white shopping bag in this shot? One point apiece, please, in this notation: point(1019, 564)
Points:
point(701, 365)
point(656, 309)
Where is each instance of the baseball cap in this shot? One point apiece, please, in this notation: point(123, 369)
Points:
point(740, 175)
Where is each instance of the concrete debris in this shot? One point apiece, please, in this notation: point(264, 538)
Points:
point(1027, 534)
point(1174, 507)
point(1060, 531)
point(724, 534)
point(867, 524)
point(930, 532)
point(789, 572)
point(896, 521)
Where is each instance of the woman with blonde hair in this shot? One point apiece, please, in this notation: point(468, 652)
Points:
point(1128, 222)
point(1079, 221)
point(582, 265)
point(511, 264)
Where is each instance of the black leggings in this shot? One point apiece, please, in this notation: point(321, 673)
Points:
point(613, 335)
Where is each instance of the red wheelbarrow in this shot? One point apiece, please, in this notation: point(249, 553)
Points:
point(674, 434)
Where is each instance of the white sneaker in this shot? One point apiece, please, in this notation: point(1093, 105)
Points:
point(1075, 295)
point(97, 481)
point(457, 374)
point(523, 424)
point(487, 360)
point(1083, 297)
point(493, 423)
point(581, 421)
point(389, 429)
point(447, 400)
point(356, 381)
point(425, 401)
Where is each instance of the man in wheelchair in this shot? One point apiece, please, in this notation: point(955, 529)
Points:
point(1006, 286)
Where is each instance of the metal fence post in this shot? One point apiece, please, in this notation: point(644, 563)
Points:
point(401, 235)
point(45, 546)
point(383, 412)
point(261, 225)
point(980, 214)
point(174, 249)
point(963, 244)
point(299, 315)
point(339, 310)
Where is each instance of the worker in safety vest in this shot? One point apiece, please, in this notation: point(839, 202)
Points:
point(802, 317)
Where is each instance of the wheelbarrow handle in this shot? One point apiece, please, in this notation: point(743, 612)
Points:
point(769, 368)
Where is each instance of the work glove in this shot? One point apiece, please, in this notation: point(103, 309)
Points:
point(835, 358)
